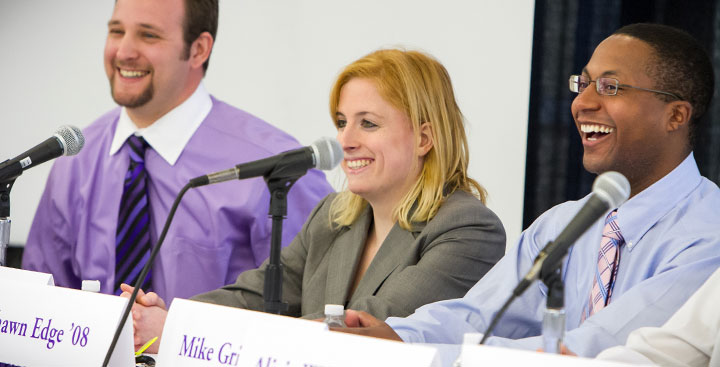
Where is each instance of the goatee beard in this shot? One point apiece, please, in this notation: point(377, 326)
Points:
point(133, 102)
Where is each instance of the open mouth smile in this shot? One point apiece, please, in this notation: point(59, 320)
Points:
point(594, 132)
point(357, 164)
point(132, 74)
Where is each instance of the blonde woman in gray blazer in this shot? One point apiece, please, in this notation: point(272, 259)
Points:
point(410, 229)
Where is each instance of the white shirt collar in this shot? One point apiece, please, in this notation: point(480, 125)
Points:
point(171, 132)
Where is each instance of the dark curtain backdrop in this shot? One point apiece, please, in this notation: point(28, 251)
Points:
point(566, 33)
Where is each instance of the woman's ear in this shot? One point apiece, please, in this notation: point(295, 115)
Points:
point(427, 139)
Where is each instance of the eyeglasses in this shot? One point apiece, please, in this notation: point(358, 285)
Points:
point(607, 86)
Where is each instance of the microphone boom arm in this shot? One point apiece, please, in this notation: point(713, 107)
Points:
point(144, 272)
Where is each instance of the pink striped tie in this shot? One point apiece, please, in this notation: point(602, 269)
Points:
point(608, 260)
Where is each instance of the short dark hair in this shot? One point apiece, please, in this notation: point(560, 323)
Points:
point(200, 16)
point(680, 65)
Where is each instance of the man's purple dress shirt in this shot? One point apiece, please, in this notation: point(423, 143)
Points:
point(218, 231)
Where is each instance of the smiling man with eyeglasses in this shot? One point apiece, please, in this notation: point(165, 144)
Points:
point(635, 121)
point(652, 84)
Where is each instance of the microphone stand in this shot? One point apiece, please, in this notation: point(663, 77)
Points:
point(5, 188)
point(546, 267)
point(553, 325)
point(272, 292)
point(279, 181)
point(11, 172)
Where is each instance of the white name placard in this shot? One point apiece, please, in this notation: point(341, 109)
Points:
point(25, 276)
point(481, 355)
point(199, 334)
point(335, 349)
point(54, 326)
point(202, 334)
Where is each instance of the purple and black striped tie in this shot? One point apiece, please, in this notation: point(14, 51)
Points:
point(132, 241)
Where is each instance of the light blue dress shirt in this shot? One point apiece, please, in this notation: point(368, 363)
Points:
point(672, 234)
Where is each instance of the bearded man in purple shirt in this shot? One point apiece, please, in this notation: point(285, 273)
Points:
point(156, 55)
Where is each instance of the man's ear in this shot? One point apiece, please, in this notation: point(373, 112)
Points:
point(427, 139)
point(200, 49)
point(679, 115)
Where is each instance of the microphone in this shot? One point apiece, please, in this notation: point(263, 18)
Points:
point(67, 140)
point(324, 154)
point(609, 190)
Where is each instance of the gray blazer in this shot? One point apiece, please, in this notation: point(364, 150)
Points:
point(437, 260)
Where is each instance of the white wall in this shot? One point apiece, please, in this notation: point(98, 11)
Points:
point(278, 59)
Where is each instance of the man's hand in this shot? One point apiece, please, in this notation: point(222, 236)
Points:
point(362, 323)
point(566, 352)
point(149, 314)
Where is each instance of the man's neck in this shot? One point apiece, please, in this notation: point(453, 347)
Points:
point(152, 111)
point(639, 181)
point(143, 120)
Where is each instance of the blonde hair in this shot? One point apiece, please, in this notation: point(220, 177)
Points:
point(418, 85)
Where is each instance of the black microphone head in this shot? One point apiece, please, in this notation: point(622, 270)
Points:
point(612, 188)
point(328, 153)
point(71, 139)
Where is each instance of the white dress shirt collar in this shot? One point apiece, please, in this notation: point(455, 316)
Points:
point(171, 132)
